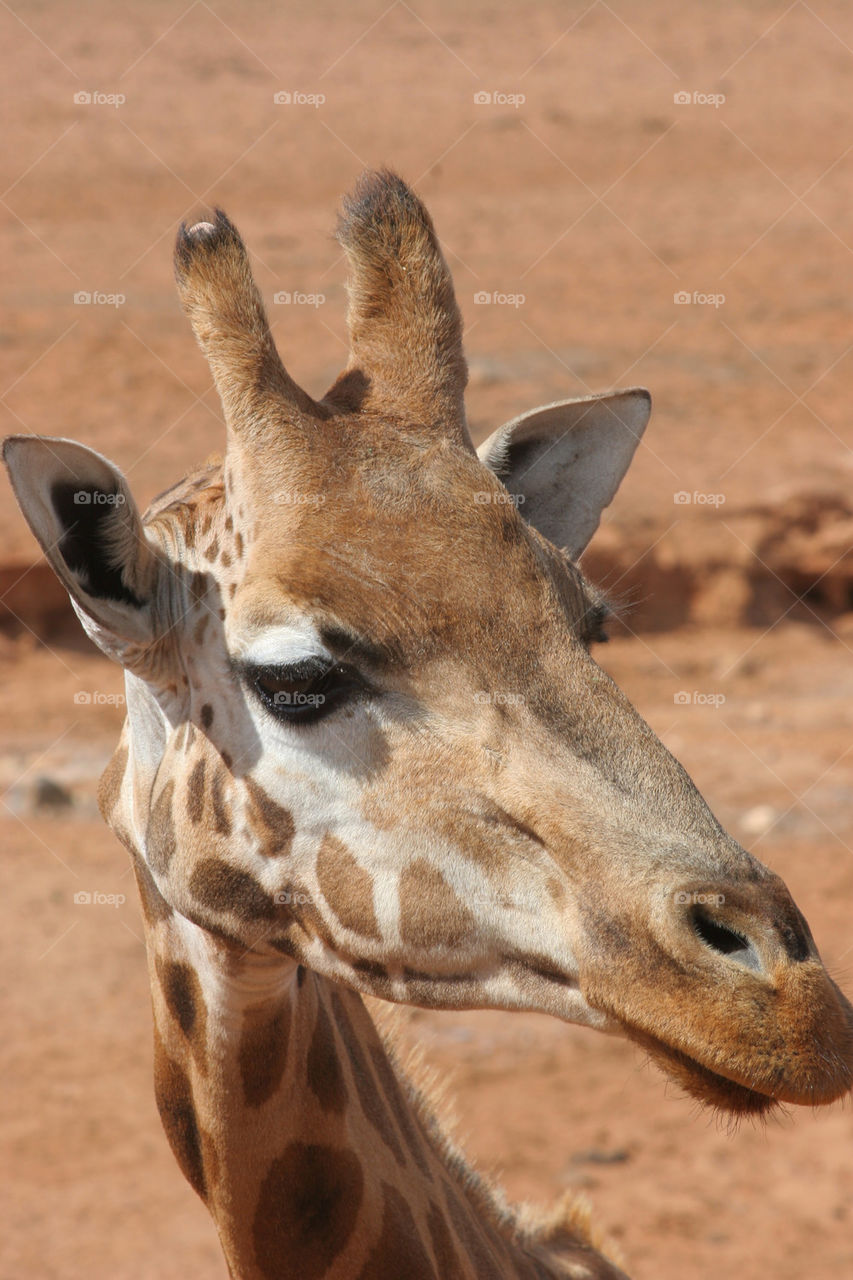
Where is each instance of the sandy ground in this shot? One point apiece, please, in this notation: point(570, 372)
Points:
point(581, 212)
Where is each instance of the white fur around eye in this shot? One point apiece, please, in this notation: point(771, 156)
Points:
point(282, 645)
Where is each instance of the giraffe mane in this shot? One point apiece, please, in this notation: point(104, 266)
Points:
point(543, 1231)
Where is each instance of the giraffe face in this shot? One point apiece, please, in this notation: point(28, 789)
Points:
point(343, 743)
point(365, 729)
point(419, 781)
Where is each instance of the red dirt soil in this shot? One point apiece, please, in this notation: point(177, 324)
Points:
point(598, 198)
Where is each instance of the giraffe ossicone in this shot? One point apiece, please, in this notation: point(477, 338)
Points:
point(367, 751)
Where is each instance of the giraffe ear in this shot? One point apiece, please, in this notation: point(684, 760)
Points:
point(565, 461)
point(81, 510)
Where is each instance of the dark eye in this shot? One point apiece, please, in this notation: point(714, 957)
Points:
point(303, 692)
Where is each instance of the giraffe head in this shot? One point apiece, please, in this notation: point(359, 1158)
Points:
point(365, 730)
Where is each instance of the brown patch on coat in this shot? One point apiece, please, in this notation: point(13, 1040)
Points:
point(173, 1094)
point(221, 814)
point(308, 1206)
point(272, 824)
point(399, 1253)
point(185, 1001)
point(369, 1096)
point(347, 888)
point(325, 1077)
point(109, 787)
point(223, 888)
point(431, 914)
point(195, 793)
point(472, 1237)
point(399, 1104)
point(161, 838)
point(154, 905)
point(442, 1244)
point(263, 1052)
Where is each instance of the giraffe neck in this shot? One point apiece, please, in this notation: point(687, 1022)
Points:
point(286, 1114)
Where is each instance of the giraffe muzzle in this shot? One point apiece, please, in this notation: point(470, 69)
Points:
point(729, 996)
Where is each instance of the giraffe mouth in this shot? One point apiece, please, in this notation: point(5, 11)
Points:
point(699, 1081)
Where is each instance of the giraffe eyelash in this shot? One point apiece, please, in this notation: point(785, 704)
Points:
point(303, 692)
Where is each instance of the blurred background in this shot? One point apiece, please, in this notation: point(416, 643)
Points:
point(627, 193)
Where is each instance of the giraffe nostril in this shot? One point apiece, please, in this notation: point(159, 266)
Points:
point(725, 941)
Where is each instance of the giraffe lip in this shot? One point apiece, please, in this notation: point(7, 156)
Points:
point(700, 1081)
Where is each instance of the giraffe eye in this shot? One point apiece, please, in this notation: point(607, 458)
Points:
point(305, 691)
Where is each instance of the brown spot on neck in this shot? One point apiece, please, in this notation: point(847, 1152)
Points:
point(471, 1235)
point(372, 1104)
point(263, 1052)
point(173, 1094)
point(325, 1077)
point(399, 1253)
point(395, 1097)
point(442, 1243)
point(185, 1001)
point(307, 1209)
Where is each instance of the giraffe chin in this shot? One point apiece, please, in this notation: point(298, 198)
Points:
point(700, 1082)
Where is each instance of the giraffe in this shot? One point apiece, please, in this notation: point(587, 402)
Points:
point(368, 752)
